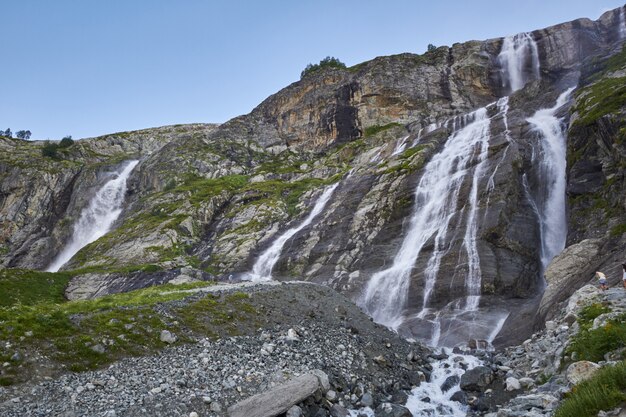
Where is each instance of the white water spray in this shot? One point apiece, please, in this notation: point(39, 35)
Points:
point(519, 61)
point(436, 199)
point(262, 269)
point(550, 202)
point(429, 399)
point(97, 218)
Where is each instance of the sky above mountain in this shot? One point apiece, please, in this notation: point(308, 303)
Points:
point(87, 68)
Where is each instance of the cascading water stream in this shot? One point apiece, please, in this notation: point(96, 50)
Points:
point(550, 200)
point(436, 199)
point(98, 217)
point(430, 399)
point(622, 23)
point(519, 61)
point(400, 146)
point(262, 269)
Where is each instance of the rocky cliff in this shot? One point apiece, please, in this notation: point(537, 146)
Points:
point(212, 199)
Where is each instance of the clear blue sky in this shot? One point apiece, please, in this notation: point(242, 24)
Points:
point(90, 67)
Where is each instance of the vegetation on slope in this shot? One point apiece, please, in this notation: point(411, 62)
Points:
point(604, 391)
point(328, 62)
point(81, 335)
point(607, 388)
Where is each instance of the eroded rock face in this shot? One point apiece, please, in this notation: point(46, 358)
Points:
point(567, 272)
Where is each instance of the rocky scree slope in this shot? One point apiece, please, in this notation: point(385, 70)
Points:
point(259, 336)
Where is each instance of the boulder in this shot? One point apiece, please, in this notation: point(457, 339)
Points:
point(512, 384)
point(392, 410)
point(167, 336)
point(281, 398)
point(581, 371)
point(528, 402)
point(476, 379)
point(568, 271)
point(450, 382)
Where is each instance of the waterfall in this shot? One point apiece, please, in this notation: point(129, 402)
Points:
point(519, 61)
point(622, 24)
point(400, 146)
point(436, 199)
point(96, 219)
point(262, 269)
point(550, 203)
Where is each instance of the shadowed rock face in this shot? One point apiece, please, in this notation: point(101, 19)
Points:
point(217, 197)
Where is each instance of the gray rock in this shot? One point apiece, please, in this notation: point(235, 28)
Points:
point(527, 402)
point(367, 400)
point(392, 410)
point(278, 399)
point(167, 336)
point(567, 272)
point(294, 411)
point(450, 382)
point(331, 396)
point(581, 371)
point(338, 411)
point(512, 384)
point(476, 379)
point(98, 348)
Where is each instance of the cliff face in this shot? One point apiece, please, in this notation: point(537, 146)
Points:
point(215, 198)
point(41, 197)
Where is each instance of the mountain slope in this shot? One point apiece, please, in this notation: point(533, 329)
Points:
point(210, 200)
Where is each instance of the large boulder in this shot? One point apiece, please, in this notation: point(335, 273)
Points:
point(567, 272)
point(281, 398)
point(581, 371)
point(477, 379)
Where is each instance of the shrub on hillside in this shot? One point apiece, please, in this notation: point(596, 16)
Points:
point(328, 62)
point(66, 142)
point(50, 150)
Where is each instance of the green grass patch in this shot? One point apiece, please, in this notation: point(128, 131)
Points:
point(27, 287)
point(618, 230)
point(126, 324)
point(607, 96)
point(593, 344)
point(604, 391)
point(372, 130)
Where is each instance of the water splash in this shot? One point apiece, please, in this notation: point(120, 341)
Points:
point(436, 199)
point(97, 218)
point(262, 269)
point(429, 399)
point(550, 197)
point(519, 61)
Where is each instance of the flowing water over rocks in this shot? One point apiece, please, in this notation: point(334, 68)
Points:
point(550, 163)
point(519, 60)
point(98, 217)
point(262, 269)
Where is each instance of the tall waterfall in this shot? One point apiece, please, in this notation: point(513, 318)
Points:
point(96, 219)
point(519, 61)
point(436, 200)
point(262, 269)
point(550, 201)
point(622, 24)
